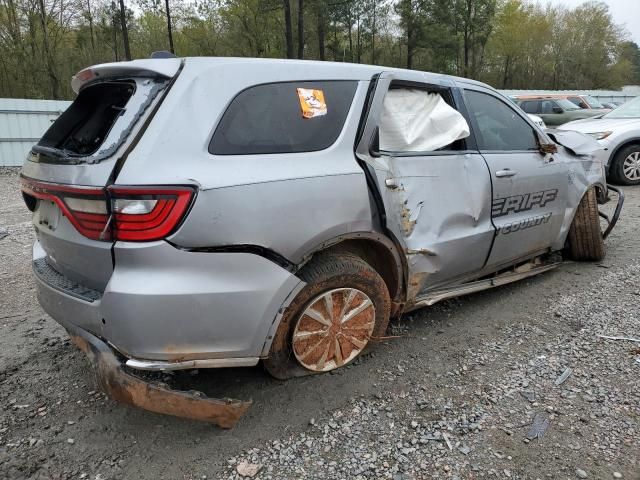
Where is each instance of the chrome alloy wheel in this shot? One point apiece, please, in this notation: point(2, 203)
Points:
point(631, 166)
point(334, 328)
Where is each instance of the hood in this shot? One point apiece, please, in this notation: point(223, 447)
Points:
point(592, 125)
point(576, 142)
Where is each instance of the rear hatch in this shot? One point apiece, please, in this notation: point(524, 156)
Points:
point(67, 177)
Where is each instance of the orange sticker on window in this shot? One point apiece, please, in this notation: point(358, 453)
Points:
point(312, 102)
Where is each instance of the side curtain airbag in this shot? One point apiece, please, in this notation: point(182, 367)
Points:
point(415, 120)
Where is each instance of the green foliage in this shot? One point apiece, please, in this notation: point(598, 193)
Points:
point(507, 43)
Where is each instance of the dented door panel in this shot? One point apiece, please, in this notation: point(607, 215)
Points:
point(437, 204)
point(442, 206)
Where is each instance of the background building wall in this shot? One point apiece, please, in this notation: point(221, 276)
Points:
point(22, 123)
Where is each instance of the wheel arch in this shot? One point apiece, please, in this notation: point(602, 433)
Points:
point(628, 142)
point(614, 153)
point(379, 251)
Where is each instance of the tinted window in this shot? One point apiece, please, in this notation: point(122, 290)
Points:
point(531, 106)
point(268, 119)
point(497, 125)
point(548, 105)
point(575, 100)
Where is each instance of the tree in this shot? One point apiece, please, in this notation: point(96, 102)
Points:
point(125, 31)
point(169, 31)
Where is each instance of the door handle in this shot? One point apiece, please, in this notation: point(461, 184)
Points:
point(507, 172)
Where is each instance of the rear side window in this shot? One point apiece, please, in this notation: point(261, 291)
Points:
point(575, 100)
point(269, 119)
point(84, 126)
point(531, 106)
point(498, 126)
point(98, 121)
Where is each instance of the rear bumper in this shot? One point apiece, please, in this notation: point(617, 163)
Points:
point(165, 307)
point(123, 387)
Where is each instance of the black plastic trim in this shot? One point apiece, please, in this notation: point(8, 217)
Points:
point(50, 276)
point(244, 248)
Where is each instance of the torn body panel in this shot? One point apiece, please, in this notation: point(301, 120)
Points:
point(126, 388)
point(583, 171)
point(444, 208)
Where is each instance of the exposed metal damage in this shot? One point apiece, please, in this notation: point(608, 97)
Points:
point(126, 388)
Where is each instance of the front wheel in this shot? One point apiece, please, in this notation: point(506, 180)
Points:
point(585, 235)
point(343, 308)
point(625, 168)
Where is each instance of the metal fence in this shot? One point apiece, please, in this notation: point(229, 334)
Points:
point(624, 95)
point(22, 123)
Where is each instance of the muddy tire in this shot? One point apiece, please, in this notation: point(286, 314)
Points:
point(585, 236)
point(625, 168)
point(338, 315)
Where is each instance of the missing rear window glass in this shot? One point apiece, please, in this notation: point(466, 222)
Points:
point(82, 129)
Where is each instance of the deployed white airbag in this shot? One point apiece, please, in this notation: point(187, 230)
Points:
point(418, 121)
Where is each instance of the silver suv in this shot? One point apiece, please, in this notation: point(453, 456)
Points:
point(214, 212)
point(618, 132)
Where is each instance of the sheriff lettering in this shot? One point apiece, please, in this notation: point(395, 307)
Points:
point(522, 203)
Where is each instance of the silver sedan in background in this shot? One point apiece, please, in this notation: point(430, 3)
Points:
point(619, 134)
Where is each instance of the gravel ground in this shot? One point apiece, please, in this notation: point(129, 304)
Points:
point(510, 383)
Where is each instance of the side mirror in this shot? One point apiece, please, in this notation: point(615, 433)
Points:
point(548, 148)
point(545, 146)
point(557, 110)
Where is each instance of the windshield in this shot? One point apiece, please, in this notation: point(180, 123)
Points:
point(566, 104)
point(593, 102)
point(630, 109)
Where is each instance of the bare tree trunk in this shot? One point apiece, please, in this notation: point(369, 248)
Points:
point(358, 44)
point(335, 42)
point(373, 35)
point(114, 24)
point(409, 47)
point(300, 29)
point(90, 18)
point(349, 19)
point(467, 38)
point(53, 78)
point(288, 28)
point(505, 77)
point(169, 30)
point(320, 28)
point(125, 31)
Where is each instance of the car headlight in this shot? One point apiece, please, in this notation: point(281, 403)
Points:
point(600, 135)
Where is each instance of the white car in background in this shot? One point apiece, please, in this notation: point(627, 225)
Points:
point(619, 134)
point(537, 120)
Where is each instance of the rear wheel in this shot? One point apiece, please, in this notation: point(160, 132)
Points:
point(585, 234)
point(626, 165)
point(343, 308)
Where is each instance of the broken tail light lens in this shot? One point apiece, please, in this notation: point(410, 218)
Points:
point(134, 214)
point(142, 214)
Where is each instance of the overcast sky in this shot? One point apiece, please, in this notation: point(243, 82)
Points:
point(624, 12)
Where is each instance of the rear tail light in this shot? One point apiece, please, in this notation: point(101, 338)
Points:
point(135, 214)
point(142, 214)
